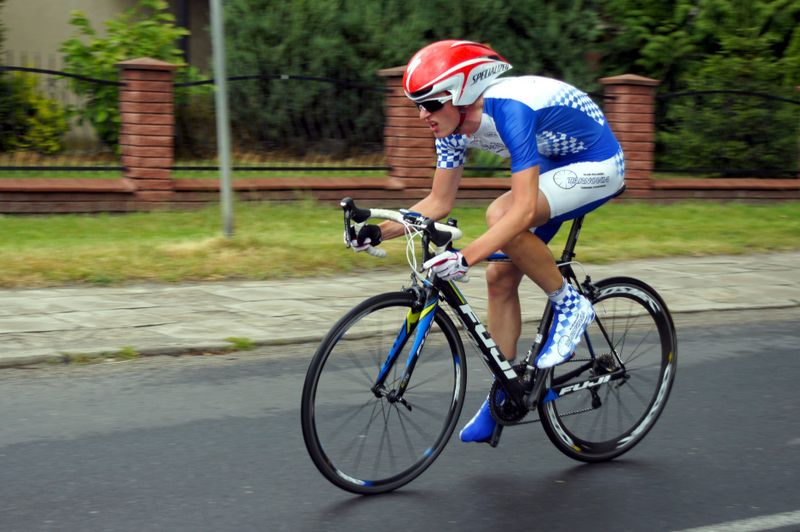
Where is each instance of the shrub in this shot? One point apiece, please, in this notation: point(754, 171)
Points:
point(701, 45)
point(195, 125)
point(734, 132)
point(146, 30)
point(30, 120)
point(2, 28)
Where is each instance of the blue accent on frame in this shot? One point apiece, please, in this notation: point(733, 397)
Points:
point(422, 331)
point(551, 396)
point(401, 338)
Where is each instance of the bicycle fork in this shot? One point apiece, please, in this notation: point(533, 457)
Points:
point(417, 323)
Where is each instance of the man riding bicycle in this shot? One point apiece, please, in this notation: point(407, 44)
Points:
point(565, 162)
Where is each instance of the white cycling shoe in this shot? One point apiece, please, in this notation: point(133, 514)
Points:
point(573, 314)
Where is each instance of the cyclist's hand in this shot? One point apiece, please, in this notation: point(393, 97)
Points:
point(367, 236)
point(449, 266)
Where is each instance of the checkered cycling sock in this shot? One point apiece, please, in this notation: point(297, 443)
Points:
point(572, 313)
point(558, 296)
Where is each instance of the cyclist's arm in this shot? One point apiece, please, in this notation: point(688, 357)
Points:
point(436, 205)
point(519, 218)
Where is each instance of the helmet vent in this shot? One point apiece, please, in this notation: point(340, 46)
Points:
point(420, 93)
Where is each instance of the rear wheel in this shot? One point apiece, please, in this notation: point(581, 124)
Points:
point(364, 442)
point(629, 356)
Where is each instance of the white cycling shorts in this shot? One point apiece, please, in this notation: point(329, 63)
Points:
point(574, 187)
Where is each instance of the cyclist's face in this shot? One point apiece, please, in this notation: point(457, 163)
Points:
point(442, 122)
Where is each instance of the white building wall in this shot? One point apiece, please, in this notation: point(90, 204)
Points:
point(35, 29)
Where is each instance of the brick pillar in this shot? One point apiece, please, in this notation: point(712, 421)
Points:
point(630, 111)
point(407, 141)
point(148, 125)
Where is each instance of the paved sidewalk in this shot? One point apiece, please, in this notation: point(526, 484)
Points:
point(38, 324)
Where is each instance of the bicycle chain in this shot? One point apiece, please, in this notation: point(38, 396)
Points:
point(507, 414)
point(537, 420)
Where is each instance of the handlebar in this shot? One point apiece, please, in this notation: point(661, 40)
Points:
point(439, 234)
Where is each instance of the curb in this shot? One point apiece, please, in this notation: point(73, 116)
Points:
point(219, 348)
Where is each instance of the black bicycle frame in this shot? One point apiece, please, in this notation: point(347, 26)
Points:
point(524, 388)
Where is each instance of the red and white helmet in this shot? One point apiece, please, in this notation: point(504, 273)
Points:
point(462, 68)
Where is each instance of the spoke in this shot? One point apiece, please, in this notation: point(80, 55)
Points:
point(409, 443)
point(637, 371)
point(359, 365)
point(639, 395)
point(604, 415)
point(352, 415)
point(646, 336)
point(623, 408)
point(630, 320)
point(596, 420)
point(363, 437)
point(425, 410)
point(441, 373)
point(385, 437)
point(407, 415)
point(641, 354)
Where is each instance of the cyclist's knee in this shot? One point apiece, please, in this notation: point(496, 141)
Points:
point(497, 209)
point(502, 280)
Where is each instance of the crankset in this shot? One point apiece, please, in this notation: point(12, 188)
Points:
point(503, 410)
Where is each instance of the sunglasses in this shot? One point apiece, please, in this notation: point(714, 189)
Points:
point(434, 104)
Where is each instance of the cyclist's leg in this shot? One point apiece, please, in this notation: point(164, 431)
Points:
point(566, 192)
point(574, 190)
point(504, 314)
point(592, 184)
point(503, 281)
point(528, 252)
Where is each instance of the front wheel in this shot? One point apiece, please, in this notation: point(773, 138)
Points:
point(628, 358)
point(363, 441)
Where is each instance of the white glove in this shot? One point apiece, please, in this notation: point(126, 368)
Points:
point(449, 266)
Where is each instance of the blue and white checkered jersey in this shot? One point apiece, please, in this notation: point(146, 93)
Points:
point(534, 120)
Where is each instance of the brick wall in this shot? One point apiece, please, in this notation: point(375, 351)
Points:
point(408, 143)
point(148, 128)
point(146, 144)
point(630, 110)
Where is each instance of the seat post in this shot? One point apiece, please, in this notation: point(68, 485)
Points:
point(574, 232)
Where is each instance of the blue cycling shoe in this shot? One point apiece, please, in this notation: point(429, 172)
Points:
point(482, 424)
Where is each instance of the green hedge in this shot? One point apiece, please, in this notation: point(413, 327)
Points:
point(351, 40)
point(733, 133)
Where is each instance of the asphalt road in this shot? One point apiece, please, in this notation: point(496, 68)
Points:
point(214, 443)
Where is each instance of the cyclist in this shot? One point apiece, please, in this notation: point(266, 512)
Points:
point(565, 162)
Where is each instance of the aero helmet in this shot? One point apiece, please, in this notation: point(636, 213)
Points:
point(462, 68)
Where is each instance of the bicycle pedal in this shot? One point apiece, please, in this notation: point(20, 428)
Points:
point(495, 439)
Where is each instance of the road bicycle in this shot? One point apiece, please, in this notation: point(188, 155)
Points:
point(386, 385)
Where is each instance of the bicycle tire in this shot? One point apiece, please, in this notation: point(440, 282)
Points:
point(641, 330)
point(354, 437)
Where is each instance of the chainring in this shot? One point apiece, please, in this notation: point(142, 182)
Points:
point(504, 411)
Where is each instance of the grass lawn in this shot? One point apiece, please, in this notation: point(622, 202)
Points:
point(304, 239)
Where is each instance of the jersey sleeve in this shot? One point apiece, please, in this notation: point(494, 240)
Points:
point(516, 124)
point(451, 151)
